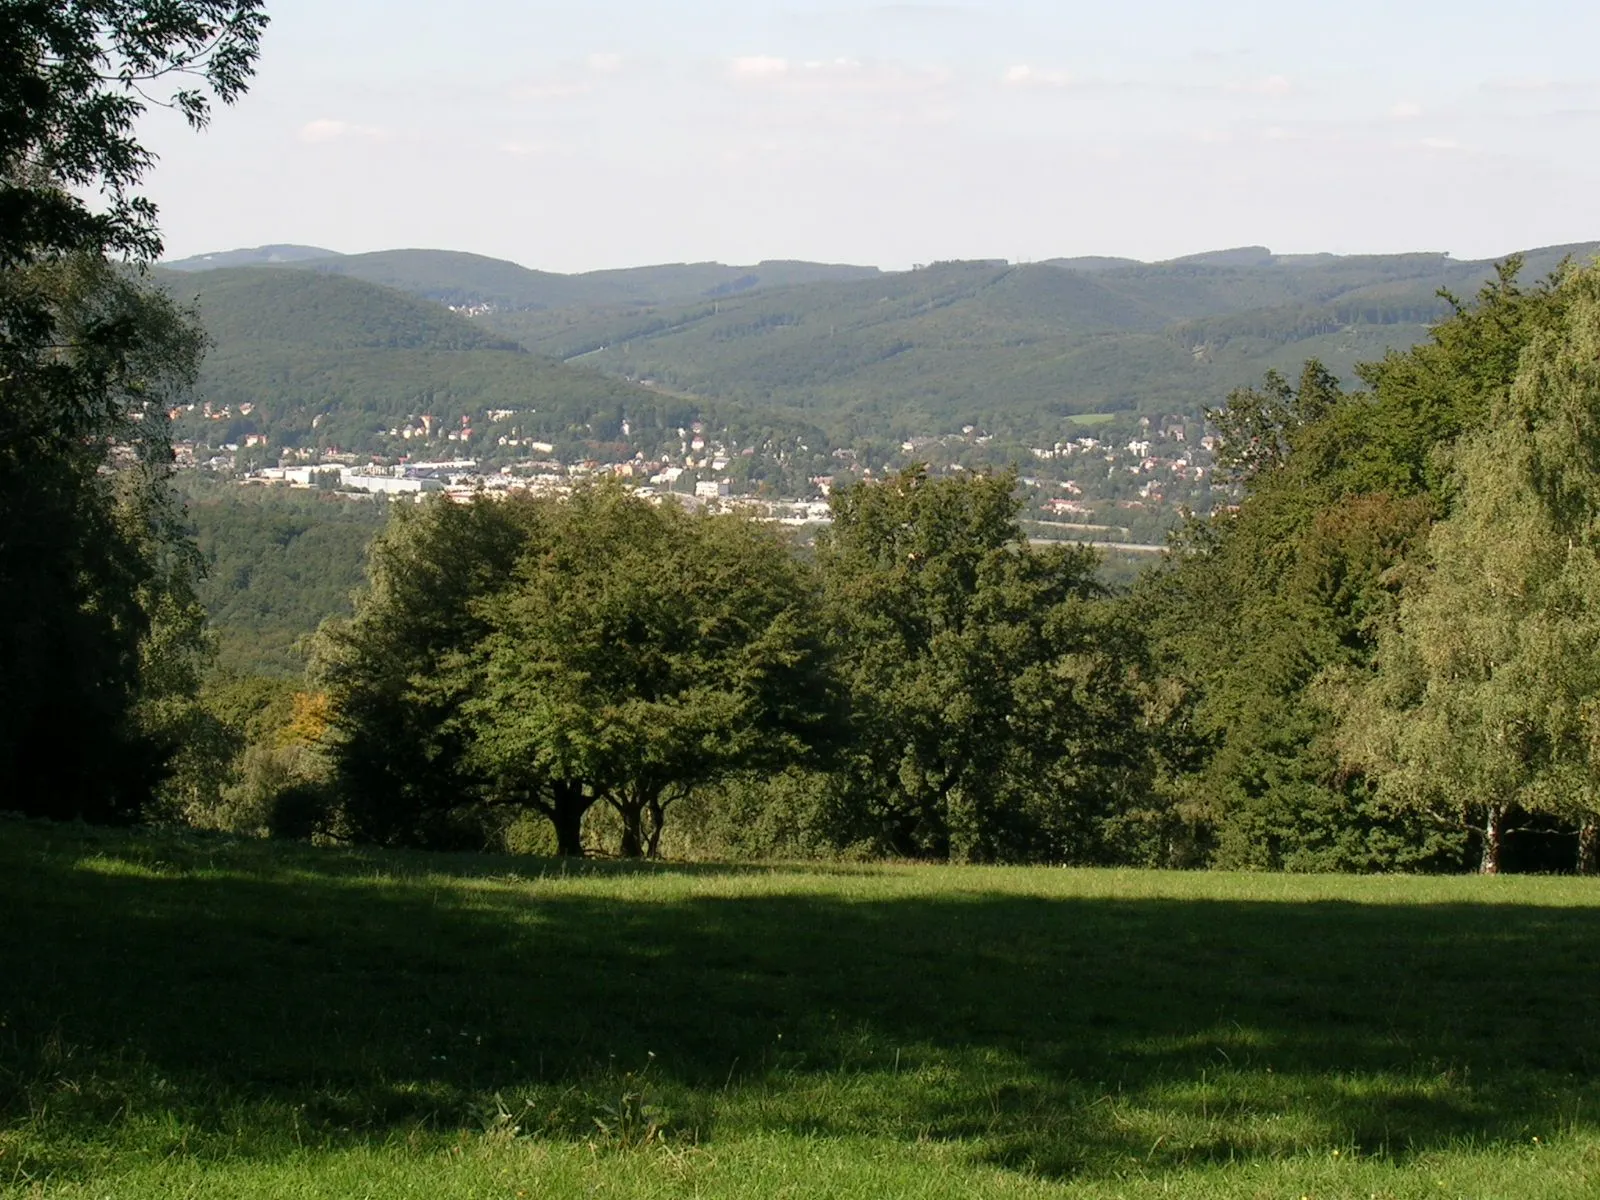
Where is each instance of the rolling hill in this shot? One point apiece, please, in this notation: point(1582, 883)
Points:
point(1018, 349)
point(257, 256)
point(315, 359)
point(1015, 349)
point(473, 281)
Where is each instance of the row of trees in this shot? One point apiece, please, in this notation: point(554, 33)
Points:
point(99, 629)
point(1383, 658)
point(946, 689)
point(1387, 652)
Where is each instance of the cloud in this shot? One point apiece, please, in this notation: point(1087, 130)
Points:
point(835, 76)
point(326, 130)
point(759, 66)
point(1527, 84)
point(1271, 85)
point(523, 149)
point(1406, 110)
point(1439, 143)
point(1023, 75)
point(605, 64)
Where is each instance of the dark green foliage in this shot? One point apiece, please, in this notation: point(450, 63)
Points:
point(1264, 604)
point(993, 692)
point(97, 610)
point(277, 564)
point(392, 672)
point(641, 653)
point(99, 629)
point(544, 655)
point(1016, 349)
point(325, 361)
point(466, 280)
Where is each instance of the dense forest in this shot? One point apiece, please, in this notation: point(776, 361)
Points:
point(1375, 661)
point(786, 352)
point(1381, 657)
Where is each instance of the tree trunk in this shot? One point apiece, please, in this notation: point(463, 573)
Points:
point(1589, 844)
point(630, 808)
point(568, 806)
point(632, 845)
point(1493, 833)
point(658, 818)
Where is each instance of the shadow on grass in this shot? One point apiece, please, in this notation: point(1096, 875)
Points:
point(251, 1011)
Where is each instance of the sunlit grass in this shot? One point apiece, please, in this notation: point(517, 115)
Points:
point(201, 1017)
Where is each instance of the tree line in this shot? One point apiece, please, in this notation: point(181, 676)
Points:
point(1383, 656)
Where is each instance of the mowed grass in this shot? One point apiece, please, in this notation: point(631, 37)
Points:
point(190, 1017)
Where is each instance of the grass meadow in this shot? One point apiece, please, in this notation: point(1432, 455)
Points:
point(182, 1017)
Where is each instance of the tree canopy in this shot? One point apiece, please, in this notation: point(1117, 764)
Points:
point(100, 626)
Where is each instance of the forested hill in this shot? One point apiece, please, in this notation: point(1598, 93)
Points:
point(1017, 348)
point(309, 358)
point(255, 256)
point(472, 281)
point(1012, 349)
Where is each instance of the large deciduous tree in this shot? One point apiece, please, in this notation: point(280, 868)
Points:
point(1264, 600)
point(553, 655)
point(1486, 695)
point(991, 689)
point(98, 623)
point(398, 673)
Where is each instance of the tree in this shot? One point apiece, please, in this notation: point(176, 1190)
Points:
point(97, 608)
point(551, 655)
point(75, 77)
point(398, 675)
point(1486, 694)
point(988, 685)
point(1263, 600)
point(639, 653)
point(98, 624)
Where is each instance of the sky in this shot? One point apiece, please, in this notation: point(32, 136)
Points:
point(613, 133)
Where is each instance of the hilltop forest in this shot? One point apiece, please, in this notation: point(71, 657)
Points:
point(332, 351)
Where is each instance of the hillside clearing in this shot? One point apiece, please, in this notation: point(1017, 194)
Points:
point(188, 1016)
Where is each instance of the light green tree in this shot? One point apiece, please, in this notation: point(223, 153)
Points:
point(1486, 696)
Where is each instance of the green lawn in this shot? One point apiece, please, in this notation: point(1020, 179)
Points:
point(186, 1017)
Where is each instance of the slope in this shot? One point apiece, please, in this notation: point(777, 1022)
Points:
point(1018, 348)
point(476, 282)
point(256, 256)
point(309, 359)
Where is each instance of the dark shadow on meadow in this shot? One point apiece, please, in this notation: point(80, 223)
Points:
point(269, 1008)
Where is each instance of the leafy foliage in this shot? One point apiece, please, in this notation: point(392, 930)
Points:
point(99, 628)
point(74, 76)
point(1486, 695)
point(989, 684)
point(277, 563)
point(1297, 585)
point(96, 602)
point(535, 654)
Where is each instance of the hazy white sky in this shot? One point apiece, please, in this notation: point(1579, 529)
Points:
point(601, 133)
